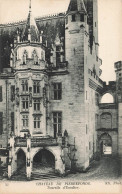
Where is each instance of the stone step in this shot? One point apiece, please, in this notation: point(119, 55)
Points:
point(38, 176)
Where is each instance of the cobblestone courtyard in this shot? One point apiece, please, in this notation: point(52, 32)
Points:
point(107, 168)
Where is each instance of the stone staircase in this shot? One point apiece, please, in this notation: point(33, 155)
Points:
point(38, 176)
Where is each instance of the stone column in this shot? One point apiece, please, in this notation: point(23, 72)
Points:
point(28, 158)
point(59, 163)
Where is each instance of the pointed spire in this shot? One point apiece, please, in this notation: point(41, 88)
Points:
point(77, 5)
point(30, 27)
point(30, 6)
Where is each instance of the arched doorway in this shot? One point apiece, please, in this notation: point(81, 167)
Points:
point(44, 162)
point(105, 144)
point(21, 161)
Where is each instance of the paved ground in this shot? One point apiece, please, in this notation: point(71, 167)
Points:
point(108, 168)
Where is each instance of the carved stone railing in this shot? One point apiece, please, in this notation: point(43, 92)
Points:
point(20, 142)
point(42, 141)
point(60, 65)
point(37, 142)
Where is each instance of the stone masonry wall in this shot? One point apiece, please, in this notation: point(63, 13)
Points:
point(6, 107)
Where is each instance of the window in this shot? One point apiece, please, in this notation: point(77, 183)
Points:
point(57, 91)
point(73, 18)
point(12, 93)
point(25, 121)
point(12, 121)
point(1, 123)
point(36, 87)
point(35, 57)
point(82, 17)
point(25, 103)
point(24, 86)
point(37, 122)
point(0, 93)
point(57, 122)
point(37, 105)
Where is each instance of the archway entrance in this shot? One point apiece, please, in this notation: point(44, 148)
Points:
point(21, 161)
point(105, 144)
point(44, 162)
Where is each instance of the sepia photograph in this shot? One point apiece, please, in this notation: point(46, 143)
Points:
point(60, 96)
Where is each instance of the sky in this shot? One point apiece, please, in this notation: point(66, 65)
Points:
point(109, 25)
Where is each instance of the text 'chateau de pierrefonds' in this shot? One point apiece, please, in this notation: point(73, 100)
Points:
point(54, 109)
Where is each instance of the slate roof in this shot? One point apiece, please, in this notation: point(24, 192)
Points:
point(77, 5)
point(32, 27)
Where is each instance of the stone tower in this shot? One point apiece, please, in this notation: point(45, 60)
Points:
point(28, 62)
point(83, 62)
point(76, 31)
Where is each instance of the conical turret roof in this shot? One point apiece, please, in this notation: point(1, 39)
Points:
point(77, 5)
point(30, 27)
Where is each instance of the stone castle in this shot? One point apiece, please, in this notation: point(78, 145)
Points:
point(53, 106)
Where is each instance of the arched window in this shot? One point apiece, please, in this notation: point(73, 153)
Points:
point(107, 98)
point(35, 57)
point(25, 56)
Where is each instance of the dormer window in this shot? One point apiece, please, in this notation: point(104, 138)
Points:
point(25, 55)
point(73, 18)
point(82, 17)
point(35, 57)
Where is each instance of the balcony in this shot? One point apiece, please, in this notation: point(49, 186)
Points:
point(48, 141)
point(59, 66)
point(95, 77)
point(20, 142)
point(36, 141)
point(30, 64)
